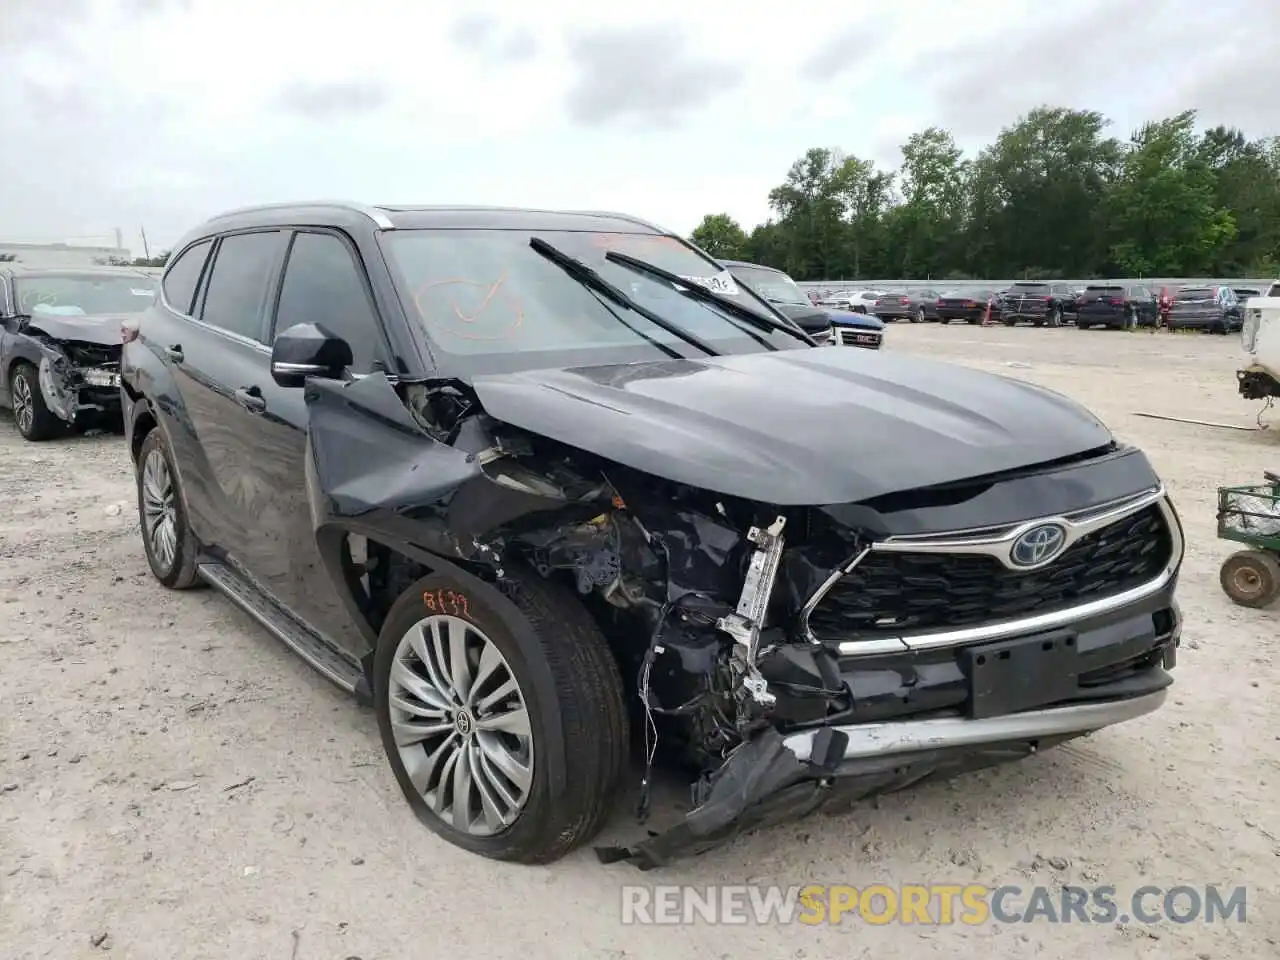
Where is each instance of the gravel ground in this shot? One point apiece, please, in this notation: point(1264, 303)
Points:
point(175, 784)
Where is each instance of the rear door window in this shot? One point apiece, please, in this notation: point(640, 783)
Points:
point(236, 294)
point(183, 276)
point(323, 285)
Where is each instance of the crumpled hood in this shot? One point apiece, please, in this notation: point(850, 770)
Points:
point(809, 319)
point(96, 328)
point(864, 321)
point(797, 427)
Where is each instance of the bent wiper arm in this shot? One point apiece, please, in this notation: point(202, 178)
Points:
point(592, 280)
point(696, 291)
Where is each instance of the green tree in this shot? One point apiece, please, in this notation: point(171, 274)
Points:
point(1053, 195)
point(721, 236)
point(1163, 210)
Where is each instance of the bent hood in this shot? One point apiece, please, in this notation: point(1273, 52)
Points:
point(102, 329)
point(797, 427)
point(809, 319)
point(864, 321)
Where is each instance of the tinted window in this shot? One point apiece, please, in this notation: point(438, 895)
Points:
point(323, 285)
point(1029, 288)
point(237, 288)
point(183, 274)
point(1187, 294)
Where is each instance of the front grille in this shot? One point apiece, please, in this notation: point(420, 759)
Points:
point(859, 338)
point(890, 594)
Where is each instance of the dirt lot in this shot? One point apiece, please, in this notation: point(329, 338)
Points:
point(176, 782)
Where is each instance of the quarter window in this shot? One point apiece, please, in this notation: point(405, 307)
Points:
point(237, 289)
point(323, 285)
point(183, 275)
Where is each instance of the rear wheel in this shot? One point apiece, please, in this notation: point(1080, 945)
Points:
point(470, 733)
point(34, 419)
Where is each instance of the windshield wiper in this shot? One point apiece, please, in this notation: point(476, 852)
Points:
point(695, 291)
point(590, 279)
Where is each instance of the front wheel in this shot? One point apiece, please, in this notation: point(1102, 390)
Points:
point(167, 539)
point(34, 419)
point(470, 727)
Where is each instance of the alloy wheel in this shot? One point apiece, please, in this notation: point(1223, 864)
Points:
point(159, 510)
point(24, 407)
point(461, 725)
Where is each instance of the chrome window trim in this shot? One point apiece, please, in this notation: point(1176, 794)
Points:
point(1007, 628)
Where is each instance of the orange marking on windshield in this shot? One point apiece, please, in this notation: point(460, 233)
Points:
point(448, 326)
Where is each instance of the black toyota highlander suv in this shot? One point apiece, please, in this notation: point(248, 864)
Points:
point(527, 481)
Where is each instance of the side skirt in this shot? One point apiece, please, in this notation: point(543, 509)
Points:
point(319, 654)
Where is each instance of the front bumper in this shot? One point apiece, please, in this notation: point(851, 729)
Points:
point(857, 337)
point(929, 713)
point(969, 314)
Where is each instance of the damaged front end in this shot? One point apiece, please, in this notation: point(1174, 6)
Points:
point(78, 378)
point(788, 656)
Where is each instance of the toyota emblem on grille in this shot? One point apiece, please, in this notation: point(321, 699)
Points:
point(1038, 545)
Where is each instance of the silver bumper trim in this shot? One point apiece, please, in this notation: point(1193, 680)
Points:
point(913, 736)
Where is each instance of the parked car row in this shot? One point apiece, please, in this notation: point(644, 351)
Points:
point(1217, 308)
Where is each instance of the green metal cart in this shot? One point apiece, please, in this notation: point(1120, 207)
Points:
point(1250, 515)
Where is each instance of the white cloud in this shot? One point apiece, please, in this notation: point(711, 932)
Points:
point(161, 112)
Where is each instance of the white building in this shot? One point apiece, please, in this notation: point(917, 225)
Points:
point(60, 254)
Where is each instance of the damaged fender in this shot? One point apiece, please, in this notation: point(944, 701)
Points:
point(373, 471)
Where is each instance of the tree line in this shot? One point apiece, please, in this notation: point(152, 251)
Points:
point(1054, 196)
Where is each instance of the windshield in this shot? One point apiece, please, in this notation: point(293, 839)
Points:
point(77, 294)
point(771, 284)
point(492, 303)
point(1029, 288)
point(1195, 293)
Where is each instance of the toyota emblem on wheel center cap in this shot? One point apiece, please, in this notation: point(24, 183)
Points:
point(1038, 545)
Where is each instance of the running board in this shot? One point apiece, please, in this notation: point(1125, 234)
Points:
point(318, 654)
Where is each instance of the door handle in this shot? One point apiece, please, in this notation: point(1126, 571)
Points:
point(251, 399)
point(174, 353)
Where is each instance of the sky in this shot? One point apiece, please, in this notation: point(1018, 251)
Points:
point(160, 113)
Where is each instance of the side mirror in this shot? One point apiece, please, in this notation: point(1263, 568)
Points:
point(308, 350)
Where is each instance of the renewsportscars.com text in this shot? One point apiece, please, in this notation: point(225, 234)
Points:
point(930, 904)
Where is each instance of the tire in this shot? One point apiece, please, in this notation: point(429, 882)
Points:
point(1251, 578)
point(160, 500)
point(32, 416)
point(586, 693)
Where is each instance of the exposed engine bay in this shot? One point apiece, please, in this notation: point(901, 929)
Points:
point(78, 359)
point(78, 377)
point(708, 601)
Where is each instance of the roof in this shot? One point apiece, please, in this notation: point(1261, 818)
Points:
point(416, 217)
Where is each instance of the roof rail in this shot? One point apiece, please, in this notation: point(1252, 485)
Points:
point(380, 219)
point(620, 216)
